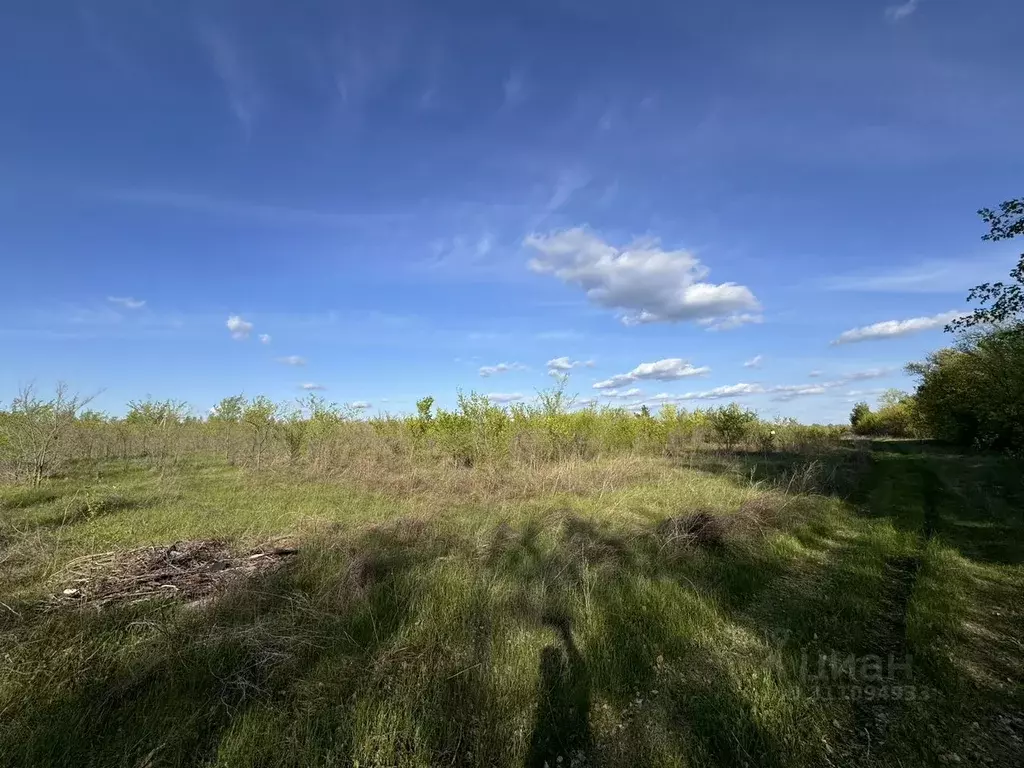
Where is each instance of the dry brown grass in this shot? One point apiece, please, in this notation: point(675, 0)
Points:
point(444, 481)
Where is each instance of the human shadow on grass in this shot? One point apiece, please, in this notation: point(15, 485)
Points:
point(561, 723)
point(972, 504)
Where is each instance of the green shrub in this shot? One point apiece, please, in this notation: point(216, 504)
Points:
point(731, 423)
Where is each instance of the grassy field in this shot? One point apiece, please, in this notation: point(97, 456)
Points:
point(859, 607)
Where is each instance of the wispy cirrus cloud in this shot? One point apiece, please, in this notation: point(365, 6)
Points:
point(932, 276)
point(127, 302)
point(718, 393)
point(491, 370)
point(292, 360)
point(780, 392)
point(889, 329)
point(901, 11)
point(670, 369)
point(265, 338)
point(754, 362)
point(644, 282)
point(514, 88)
point(265, 213)
point(310, 386)
point(243, 93)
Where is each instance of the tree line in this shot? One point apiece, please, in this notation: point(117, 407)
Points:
point(972, 393)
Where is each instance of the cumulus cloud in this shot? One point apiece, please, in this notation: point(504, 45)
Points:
point(292, 360)
point(892, 328)
point(309, 386)
point(669, 369)
point(642, 281)
point(264, 338)
point(127, 302)
point(490, 370)
point(498, 397)
point(754, 362)
point(240, 329)
point(622, 394)
point(360, 405)
point(560, 365)
point(901, 11)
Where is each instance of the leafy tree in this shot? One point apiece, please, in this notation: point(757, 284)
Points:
point(973, 395)
point(423, 406)
point(229, 409)
point(859, 413)
point(1005, 301)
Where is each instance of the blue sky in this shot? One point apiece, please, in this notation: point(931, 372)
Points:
point(690, 200)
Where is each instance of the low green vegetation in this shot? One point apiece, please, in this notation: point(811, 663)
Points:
point(456, 600)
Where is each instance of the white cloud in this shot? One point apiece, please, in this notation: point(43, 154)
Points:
point(647, 284)
point(669, 369)
point(785, 392)
point(869, 373)
point(360, 405)
point(723, 393)
point(240, 87)
point(264, 338)
point(903, 10)
point(622, 394)
point(892, 328)
point(310, 386)
point(782, 392)
point(754, 362)
point(240, 329)
point(560, 365)
point(815, 374)
point(730, 322)
point(127, 302)
point(498, 397)
point(292, 360)
point(491, 370)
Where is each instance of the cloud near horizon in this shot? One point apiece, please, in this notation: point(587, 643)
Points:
point(490, 370)
point(888, 329)
point(670, 369)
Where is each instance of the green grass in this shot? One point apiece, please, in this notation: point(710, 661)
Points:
point(419, 628)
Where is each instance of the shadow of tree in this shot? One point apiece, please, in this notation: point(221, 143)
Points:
point(418, 643)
